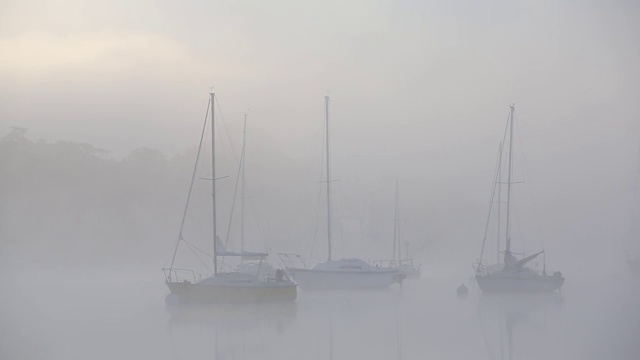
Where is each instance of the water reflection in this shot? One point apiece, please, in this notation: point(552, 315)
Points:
point(339, 325)
point(233, 316)
point(235, 331)
point(516, 326)
point(90, 318)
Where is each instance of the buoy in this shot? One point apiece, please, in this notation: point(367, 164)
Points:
point(462, 290)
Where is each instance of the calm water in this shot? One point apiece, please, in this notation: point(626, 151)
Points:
point(106, 314)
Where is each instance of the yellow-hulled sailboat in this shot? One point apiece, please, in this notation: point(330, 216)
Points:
point(229, 287)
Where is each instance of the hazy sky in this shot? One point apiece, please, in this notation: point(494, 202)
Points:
point(420, 90)
point(123, 74)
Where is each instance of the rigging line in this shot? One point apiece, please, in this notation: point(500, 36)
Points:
point(536, 214)
point(359, 188)
point(261, 228)
point(254, 212)
point(222, 150)
point(233, 152)
point(186, 206)
point(638, 161)
point(317, 225)
point(197, 248)
point(252, 206)
point(221, 124)
point(265, 235)
point(493, 192)
point(226, 130)
point(228, 267)
point(198, 257)
point(233, 204)
point(200, 206)
point(635, 207)
point(341, 226)
point(520, 230)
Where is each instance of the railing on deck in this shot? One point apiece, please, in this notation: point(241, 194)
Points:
point(292, 261)
point(172, 274)
point(393, 263)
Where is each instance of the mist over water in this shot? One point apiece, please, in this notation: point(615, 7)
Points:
point(101, 108)
point(106, 313)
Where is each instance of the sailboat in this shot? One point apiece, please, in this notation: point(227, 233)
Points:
point(406, 265)
point(512, 276)
point(343, 274)
point(221, 287)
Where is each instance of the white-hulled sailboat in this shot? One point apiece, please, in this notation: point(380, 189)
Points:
point(343, 274)
point(229, 287)
point(512, 276)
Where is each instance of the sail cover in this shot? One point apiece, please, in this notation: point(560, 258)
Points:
point(246, 255)
point(520, 263)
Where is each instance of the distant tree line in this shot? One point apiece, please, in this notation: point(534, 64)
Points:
point(68, 200)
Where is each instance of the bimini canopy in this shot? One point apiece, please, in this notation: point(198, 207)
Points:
point(520, 263)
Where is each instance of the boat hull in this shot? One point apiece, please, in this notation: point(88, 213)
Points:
point(311, 279)
point(512, 283)
point(187, 292)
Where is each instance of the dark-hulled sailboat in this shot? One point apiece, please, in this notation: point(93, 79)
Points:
point(221, 287)
point(512, 276)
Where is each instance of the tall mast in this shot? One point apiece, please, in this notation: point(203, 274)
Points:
point(507, 252)
point(243, 157)
point(499, 200)
point(213, 183)
point(326, 114)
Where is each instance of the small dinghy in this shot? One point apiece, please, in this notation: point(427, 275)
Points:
point(462, 290)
